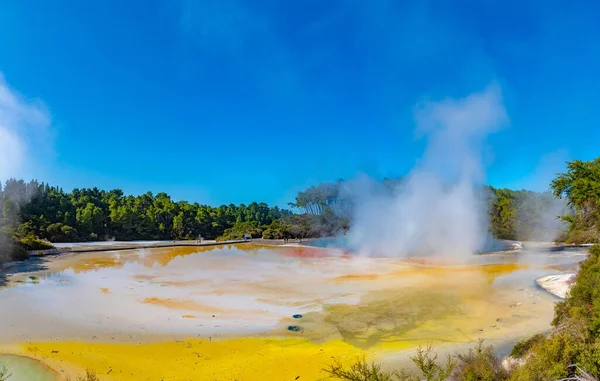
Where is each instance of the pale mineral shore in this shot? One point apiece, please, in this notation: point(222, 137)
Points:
point(558, 285)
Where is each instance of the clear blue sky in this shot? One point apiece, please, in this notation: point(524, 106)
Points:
point(240, 100)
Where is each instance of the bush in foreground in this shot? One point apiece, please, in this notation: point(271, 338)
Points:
point(4, 373)
point(89, 375)
point(479, 363)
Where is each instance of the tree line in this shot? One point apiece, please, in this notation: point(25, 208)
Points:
point(32, 213)
point(513, 214)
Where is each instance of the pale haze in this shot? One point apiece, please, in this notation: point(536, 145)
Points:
point(24, 133)
point(438, 209)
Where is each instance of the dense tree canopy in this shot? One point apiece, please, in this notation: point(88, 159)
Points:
point(92, 214)
point(580, 186)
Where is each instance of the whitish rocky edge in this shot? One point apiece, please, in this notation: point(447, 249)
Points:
point(558, 285)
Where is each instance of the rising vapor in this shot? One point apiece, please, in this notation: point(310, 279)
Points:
point(438, 210)
point(24, 131)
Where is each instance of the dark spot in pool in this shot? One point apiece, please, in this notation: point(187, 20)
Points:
point(294, 328)
point(297, 316)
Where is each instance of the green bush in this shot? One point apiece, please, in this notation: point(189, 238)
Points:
point(239, 229)
point(4, 373)
point(60, 232)
point(479, 364)
point(360, 370)
point(523, 346)
point(89, 375)
point(425, 360)
point(583, 301)
point(550, 358)
point(18, 253)
point(575, 338)
point(31, 242)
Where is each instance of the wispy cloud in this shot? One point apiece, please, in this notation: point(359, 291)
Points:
point(25, 137)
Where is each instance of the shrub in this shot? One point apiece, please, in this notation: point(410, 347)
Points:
point(425, 360)
point(479, 364)
point(4, 373)
point(17, 253)
point(60, 232)
point(550, 358)
point(89, 375)
point(575, 337)
point(31, 242)
point(523, 346)
point(360, 370)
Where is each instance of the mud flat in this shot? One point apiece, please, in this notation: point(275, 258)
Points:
point(260, 312)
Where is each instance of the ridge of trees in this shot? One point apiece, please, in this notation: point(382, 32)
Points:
point(32, 213)
point(32, 210)
point(513, 214)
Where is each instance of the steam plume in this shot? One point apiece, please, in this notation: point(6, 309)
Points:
point(24, 130)
point(438, 209)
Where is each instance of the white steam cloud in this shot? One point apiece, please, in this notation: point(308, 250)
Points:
point(24, 130)
point(437, 211)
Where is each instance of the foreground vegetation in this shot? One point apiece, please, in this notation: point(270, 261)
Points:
point(4, 373)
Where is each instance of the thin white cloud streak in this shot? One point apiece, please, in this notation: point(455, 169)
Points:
point(24, 133)
point(439, 210)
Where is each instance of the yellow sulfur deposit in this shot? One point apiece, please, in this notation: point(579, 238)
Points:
point(235, 359)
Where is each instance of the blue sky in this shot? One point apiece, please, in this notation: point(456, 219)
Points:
point(240, 100)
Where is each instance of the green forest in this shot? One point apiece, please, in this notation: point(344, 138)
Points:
point(33, 214)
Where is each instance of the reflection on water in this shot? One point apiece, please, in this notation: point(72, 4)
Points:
point(26, 369)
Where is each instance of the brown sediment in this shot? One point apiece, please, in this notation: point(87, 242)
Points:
point(105, 290)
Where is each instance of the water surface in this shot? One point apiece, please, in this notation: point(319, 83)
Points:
point(26, 369)
point(218, 296)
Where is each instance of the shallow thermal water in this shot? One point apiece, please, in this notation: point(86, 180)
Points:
point(26, 369)
point(372, 305)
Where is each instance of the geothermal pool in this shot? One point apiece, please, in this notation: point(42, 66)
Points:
point(255, 312)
